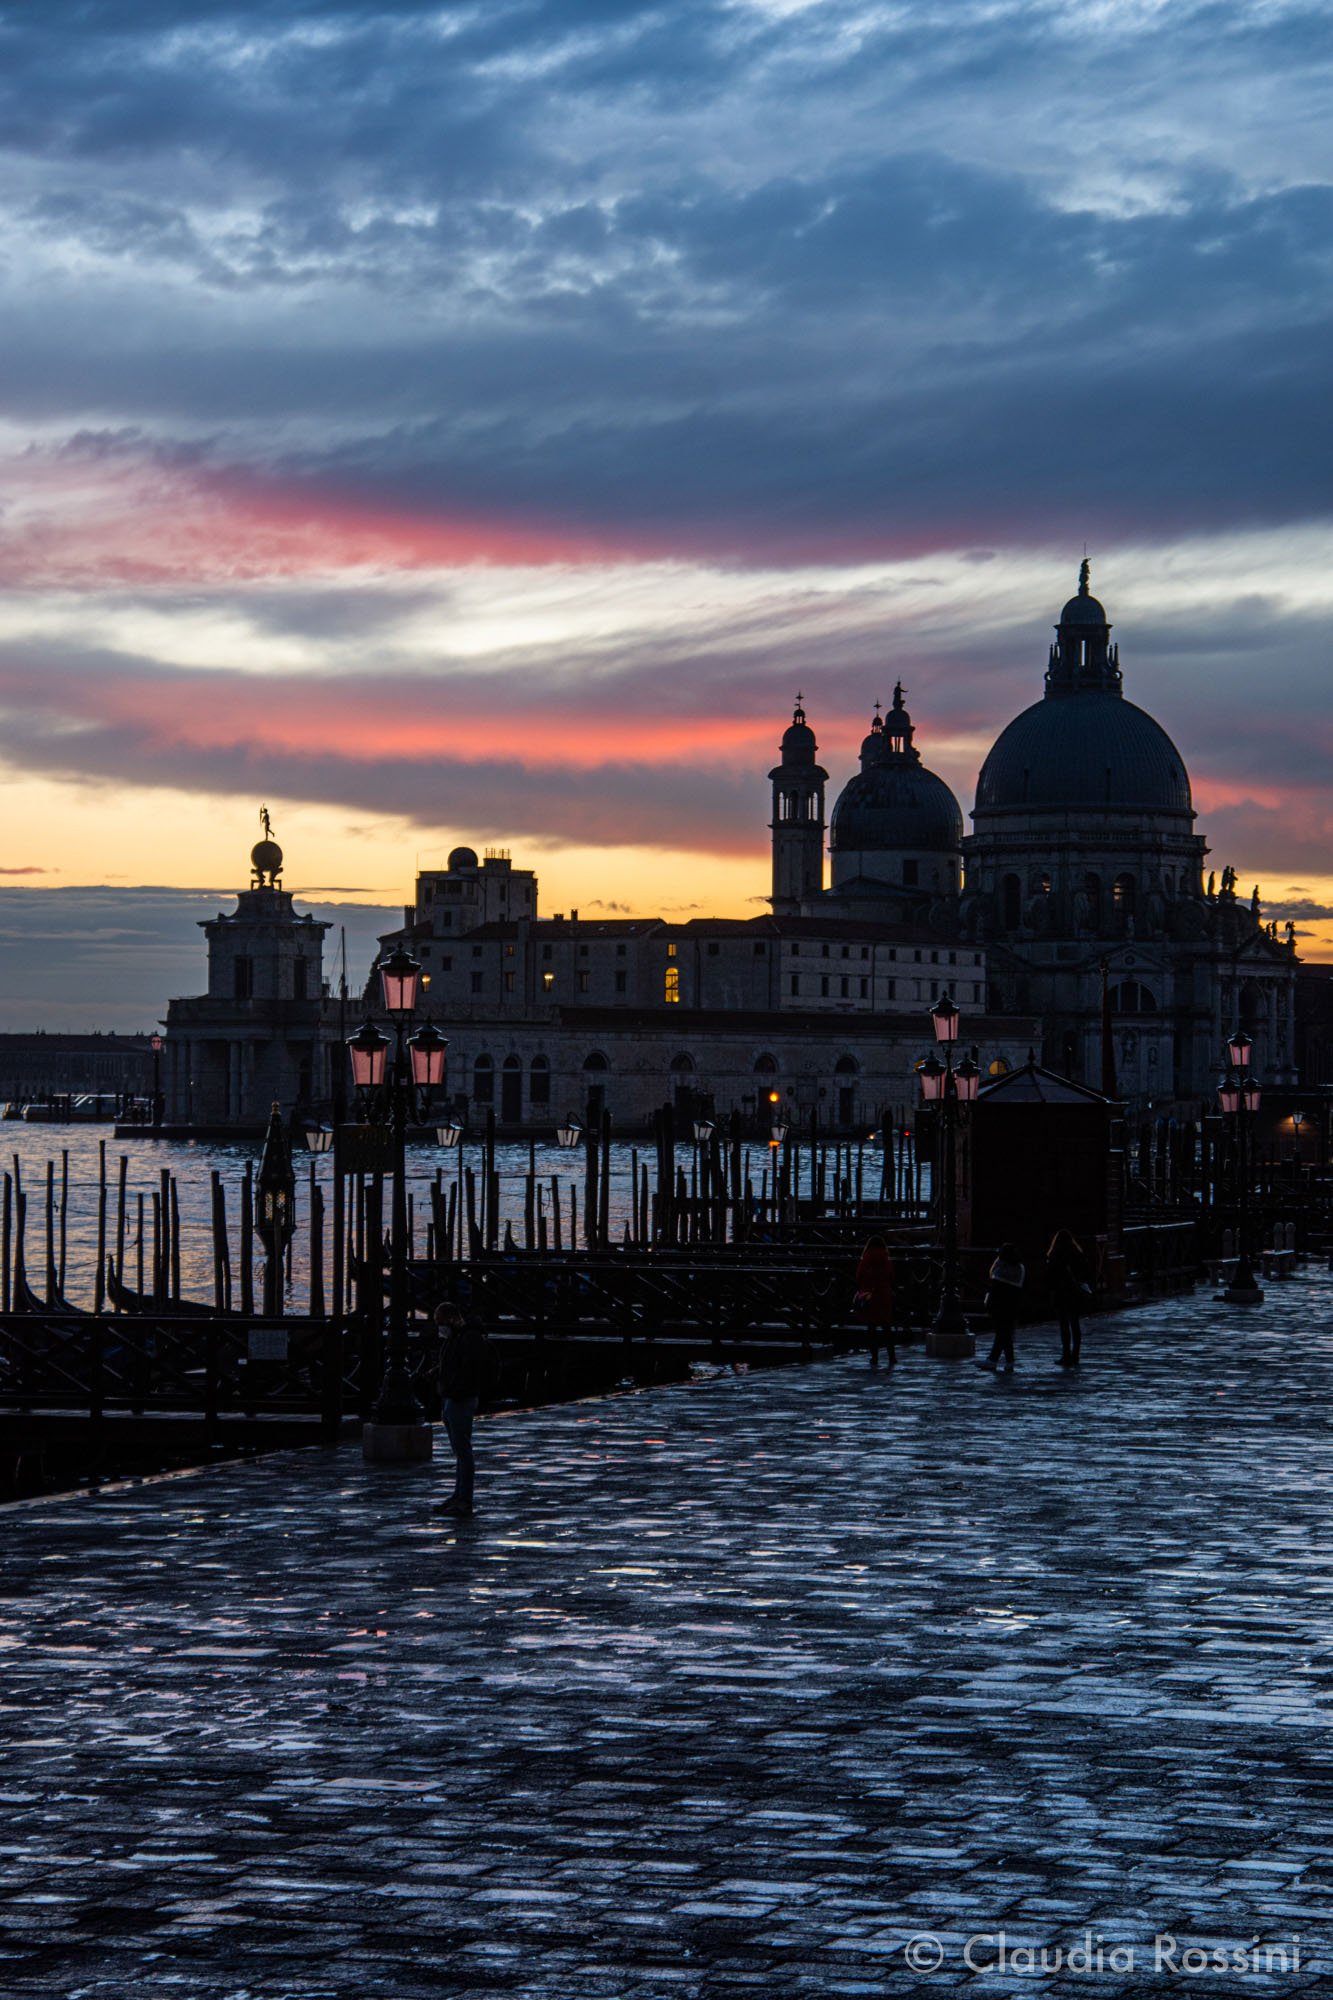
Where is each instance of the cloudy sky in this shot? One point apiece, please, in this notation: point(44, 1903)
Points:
point(475, 422)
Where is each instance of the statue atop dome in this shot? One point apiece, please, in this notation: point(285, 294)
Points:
point(265, 855)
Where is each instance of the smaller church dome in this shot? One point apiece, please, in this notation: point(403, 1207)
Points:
point(462, 857)
point(894, 802)
point(798, 739)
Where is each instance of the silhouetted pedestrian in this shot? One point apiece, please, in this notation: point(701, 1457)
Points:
point(466, 1373)
point(1070, 1276)
point(1003, 1298)
point(873, 1303)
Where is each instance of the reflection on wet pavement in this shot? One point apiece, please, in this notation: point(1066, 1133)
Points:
point(730, 1687)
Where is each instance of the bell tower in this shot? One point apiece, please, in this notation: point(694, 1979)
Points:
point(798, 819)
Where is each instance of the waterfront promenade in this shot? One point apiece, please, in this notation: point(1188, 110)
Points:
point(755, 1686)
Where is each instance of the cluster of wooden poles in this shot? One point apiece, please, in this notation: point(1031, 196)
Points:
point(730, 1189)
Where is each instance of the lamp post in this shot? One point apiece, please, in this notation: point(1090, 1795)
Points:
point(942, 1084)
point(1239, 1094)
point(397, 1429)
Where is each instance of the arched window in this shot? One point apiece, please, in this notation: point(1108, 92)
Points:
point(671, 989)
point(765, 1065)
point(539, 1081)
point(595, 1064)
point(1123, 893)
point(1011, 902)
point(997, 1068)
point(846, 1066)
point(483, 1081)
point(1131, 996)
point(682, 1065)
point(511, 1090)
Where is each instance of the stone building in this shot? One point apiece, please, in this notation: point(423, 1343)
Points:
point(261, 1034)
point(1080, 886)
point(1084, 867)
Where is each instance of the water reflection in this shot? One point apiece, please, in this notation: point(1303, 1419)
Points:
point(192, 1163)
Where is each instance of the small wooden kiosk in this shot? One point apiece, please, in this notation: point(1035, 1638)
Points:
point(1037, 1153)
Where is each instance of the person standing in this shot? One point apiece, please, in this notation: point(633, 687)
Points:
point(466, 1373)
point(1005, 1295)
point(874, 1298)
point(1070, 1277)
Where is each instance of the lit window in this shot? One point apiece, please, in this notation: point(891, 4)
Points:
point(672, 993)
point(583, 982)
point(671, 951)
point(509, 982)
point(548, 981)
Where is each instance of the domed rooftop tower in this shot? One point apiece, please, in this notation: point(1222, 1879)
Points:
point(798, 818)
point(895, 823)
point(1083, 814)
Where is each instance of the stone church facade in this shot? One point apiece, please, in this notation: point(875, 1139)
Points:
point(1081, 887)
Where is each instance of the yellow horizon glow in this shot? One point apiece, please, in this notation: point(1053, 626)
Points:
point(81, 835)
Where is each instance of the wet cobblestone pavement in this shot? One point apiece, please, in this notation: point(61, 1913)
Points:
point(728, 1689)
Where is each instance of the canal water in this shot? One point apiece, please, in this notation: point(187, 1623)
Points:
point(75, 1152)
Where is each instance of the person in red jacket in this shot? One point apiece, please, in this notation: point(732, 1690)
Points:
point(874, 1298)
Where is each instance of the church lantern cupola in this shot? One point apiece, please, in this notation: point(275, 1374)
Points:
point(1083, 660)
point(798, 818)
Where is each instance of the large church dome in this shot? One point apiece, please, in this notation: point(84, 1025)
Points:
point(1083, 745)
point(894, 803)
point(1090, 750)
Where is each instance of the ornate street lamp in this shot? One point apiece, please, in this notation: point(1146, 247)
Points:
point(1239, 1095)
point(569, 1135)
point(319, 1138)
point(369, 1051)
point(391, 1090)
point(448, 1136)
point(942, 1084)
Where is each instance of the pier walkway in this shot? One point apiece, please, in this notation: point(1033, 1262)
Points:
point(777, 1684)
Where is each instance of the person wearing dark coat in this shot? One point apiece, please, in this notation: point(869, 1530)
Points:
point(466, 1372)
point(1070, 1276)
point(1003, 1298)
point(874, 1298)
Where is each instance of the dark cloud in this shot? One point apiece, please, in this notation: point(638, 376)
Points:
point(110, 958)
point(497, 254)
